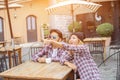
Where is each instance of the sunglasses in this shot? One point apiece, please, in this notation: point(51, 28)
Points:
point(53, 37)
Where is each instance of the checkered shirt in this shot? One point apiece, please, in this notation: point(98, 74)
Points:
point(86, 66)
point(48, 51)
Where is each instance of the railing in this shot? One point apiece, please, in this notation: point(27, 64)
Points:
point(118, 67)
point(34, 50)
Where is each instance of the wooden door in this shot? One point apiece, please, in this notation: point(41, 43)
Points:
point(31, 29)
point(1, 29)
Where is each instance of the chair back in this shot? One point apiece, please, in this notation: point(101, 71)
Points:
point(96, 47)
point(34, 50)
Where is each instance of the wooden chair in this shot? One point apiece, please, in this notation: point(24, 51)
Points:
point(114, 46)
point(34, 50)
point(3, 61)
point(118, 66)
point(97, 47)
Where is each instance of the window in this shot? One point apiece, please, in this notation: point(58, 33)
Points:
point(1, 24)
point(1, 29)
point(31, 22)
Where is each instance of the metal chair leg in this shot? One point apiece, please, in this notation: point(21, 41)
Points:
point(4, 58)
point(1, 65)
point(4, 63)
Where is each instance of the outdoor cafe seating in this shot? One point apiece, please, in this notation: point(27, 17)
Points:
point(98, 45)
point(114, 46)
point(9, 56)
point(35, 71)
point(33, 50)
point(3, 62)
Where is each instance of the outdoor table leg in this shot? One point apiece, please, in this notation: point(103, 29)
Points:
point(5, 78)
point(104, 54)
point(19, 55)
point(70, 76)
point(10, 57)
point(10, 61)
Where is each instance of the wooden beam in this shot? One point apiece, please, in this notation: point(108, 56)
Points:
point(9, 20)
point(100, 0)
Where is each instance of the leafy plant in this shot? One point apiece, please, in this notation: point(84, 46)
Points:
point(44, 25)
point(46, 30)
point(77, 27)
point(105, 29)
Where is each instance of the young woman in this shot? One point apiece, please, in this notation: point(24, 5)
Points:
point(49, 51)
point(86, 66)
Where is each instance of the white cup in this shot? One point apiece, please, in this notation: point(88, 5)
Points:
point(48, 60)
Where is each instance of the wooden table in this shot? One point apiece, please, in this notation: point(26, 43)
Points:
point(105, 40)
point(10, 51)
point(38, 71)
point(2, 43)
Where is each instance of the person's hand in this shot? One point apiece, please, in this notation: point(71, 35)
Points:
point(41, 60)
point(47, 42)
point(56, 44)
point(71, 65)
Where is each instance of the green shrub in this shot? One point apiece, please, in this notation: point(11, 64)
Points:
point(77, 27)
point(105, 29)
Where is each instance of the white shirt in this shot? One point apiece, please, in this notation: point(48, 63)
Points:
point(54, 54)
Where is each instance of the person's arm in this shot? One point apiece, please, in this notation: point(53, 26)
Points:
point(75, 48)
point(58, 57)
point(71, 65)
point(66, 46)
point(41, 59)
point(66, 57)
point(54, 43)
point(39, 54)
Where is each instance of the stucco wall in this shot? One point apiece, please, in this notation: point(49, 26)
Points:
point(35, 7)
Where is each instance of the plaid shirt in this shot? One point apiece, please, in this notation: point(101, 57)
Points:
point(48, 51)
point(86, 66)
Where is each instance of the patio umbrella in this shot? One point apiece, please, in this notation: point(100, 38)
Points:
point(72, 7)
point(14, 5)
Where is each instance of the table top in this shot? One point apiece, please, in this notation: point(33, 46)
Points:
point(10, 48)
point(35, 70)
point(95, 39)
point(107, 40)
point(1, 42)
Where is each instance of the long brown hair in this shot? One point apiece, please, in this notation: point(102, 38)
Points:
point(58, 32)
point(80, 35)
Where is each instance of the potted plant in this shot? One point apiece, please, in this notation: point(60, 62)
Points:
point(76, 27)
point(45, 30)
point(105, 29)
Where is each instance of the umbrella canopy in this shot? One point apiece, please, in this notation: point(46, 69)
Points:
point(14, 5)
point(71, 7)
point(101, 0)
